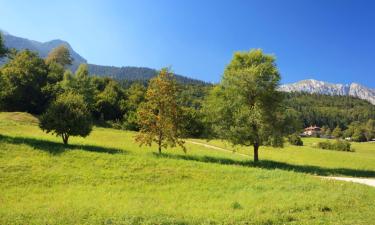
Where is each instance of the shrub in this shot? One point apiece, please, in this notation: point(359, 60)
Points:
point(295, 139)
point(338, 145)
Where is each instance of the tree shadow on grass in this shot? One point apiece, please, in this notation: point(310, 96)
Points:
point(271, 165)
point(57, 148)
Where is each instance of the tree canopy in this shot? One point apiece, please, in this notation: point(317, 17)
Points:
point(158, 116)
point(67, 116)
point(60, 55)
point(244, 107)
point(22, 80)
point(3, 49)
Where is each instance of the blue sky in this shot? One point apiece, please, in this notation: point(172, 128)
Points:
point(331, 40)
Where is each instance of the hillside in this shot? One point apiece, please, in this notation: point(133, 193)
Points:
point(108, 179)
point(120, 73)
point(320, 87)
point(131, 73)
point(329, 110)
point(43, 48)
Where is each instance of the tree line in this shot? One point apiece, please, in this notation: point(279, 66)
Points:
point(244, 108)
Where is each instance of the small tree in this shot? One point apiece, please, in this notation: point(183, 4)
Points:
point(359, 134)
point(323, 129)
point(158, 116)
point(337, 132)
point(328, 132)
point(67, 116)
point(295, 139)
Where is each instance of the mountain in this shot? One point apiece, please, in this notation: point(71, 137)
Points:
point(119, 73)
point(43, 48)
point(321, 87)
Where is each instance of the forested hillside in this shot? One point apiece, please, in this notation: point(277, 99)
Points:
point(332, 111)
point(131, 73)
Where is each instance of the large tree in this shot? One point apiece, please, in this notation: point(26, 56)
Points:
point(81, 83)
point(158, 117)
point(3, 49)
point(84, 86)
point(108, 102)
point(60, 55)
point(67, 116)
point(135, 95)
point(370, 129)
point(22, 80)
point(245, 107)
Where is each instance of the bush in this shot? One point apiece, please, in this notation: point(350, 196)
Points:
point(295, 139)
point(342, 145)
point(338, 145)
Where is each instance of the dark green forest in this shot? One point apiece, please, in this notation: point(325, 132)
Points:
point(331, 111)
point(130, 73)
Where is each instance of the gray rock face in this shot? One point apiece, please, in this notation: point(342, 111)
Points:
point(321, 87)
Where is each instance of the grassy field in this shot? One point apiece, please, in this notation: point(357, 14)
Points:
point(107, 179)
point(309, 159)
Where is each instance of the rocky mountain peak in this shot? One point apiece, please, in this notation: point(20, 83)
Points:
point(321, 87)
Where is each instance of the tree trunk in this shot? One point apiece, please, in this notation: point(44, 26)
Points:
point(159, 143)
point(256, 147)
point(65, 138)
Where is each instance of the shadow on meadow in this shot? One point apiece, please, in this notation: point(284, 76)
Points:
point(271, 165)
point(57, 148)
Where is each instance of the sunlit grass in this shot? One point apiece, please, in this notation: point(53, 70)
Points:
point(363, 158)
point(108, 179)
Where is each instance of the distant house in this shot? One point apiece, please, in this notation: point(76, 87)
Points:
point(312, 131)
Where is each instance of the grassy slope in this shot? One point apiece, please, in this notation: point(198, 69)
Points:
point(360, 163)
point(107, 179)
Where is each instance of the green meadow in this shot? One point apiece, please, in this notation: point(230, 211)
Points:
point(106, 178)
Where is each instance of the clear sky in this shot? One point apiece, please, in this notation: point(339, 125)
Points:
point(330, 40)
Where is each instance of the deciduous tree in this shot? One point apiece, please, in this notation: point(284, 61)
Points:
point(3, 49)
point(60, 55)
point(245, 107)
point(158, 117)
point(370, 129)
point(337, 132)
point(22, 80)
point(67, 116)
